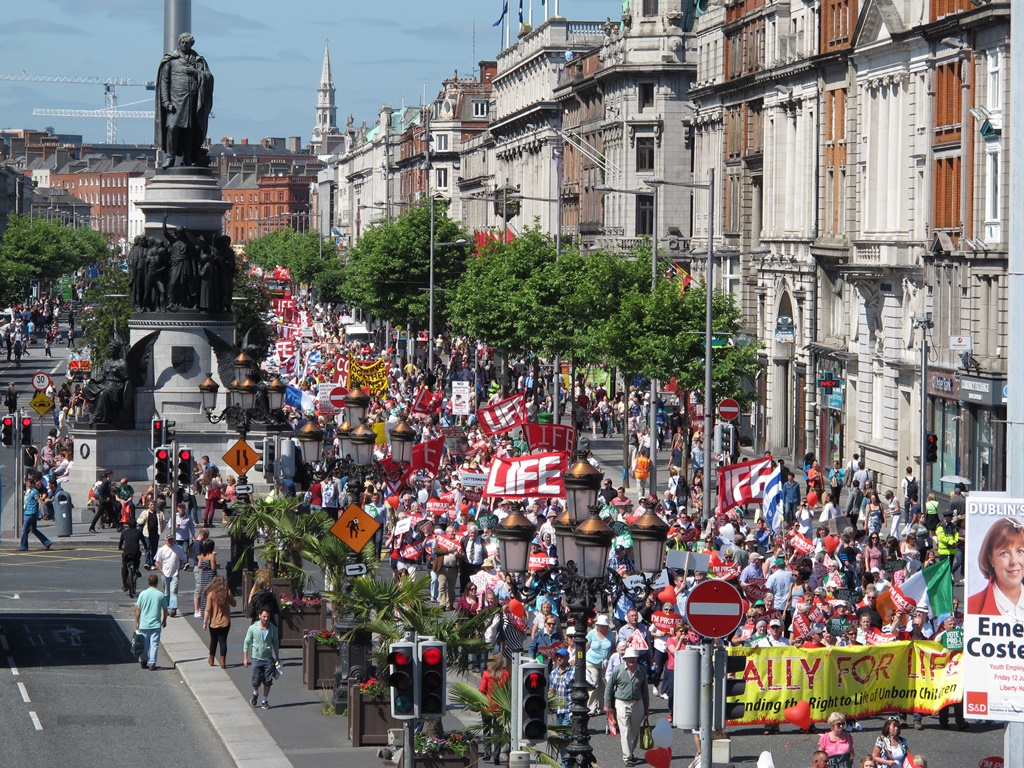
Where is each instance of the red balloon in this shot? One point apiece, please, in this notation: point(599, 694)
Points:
point(392, 501)
point(659, 758)
point(667, 595)
point(831, 543)
point(799, 715)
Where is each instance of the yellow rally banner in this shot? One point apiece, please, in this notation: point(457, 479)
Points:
point(859, 681)
point(372, 376)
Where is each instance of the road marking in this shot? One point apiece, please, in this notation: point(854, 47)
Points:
point(14, 669)
point(35, 720)
point(24, 693)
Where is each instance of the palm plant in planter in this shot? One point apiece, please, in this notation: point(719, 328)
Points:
point(500, 710)
point(280, 533)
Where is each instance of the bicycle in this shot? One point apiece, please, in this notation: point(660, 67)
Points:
point(133, 581)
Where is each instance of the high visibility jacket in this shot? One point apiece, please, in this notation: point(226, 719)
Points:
point(643, 468)
point(947, 541)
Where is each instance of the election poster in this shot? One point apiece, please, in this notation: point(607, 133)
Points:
point(994, 620)
point(858, 680)
point(460, 398)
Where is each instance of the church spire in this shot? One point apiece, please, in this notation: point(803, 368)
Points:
point(326, 111)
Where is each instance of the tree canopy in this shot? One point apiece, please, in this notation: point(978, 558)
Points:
point(253, 311)
point(388, 270)
point(301, 252)
point(44, 249)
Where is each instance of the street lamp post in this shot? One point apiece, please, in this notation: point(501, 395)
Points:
point(584, 545)
point(430, 321)
point(652, 411)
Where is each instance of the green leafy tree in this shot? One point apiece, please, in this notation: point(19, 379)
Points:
point(301, 252)
point(329, 284)
point(252, 306)
point(388, 270)
point(44, 249)
point(108, 295)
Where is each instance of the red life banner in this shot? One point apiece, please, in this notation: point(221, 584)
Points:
point(341, 370)
point(801, 625)
point(503, 415)
point(801, 544)
point(540, 562)
point(427, 455)
point(437, 507)
point(446, 542)
point(690, 534)
point(816, 615)
point(666, 622)
point(412, 551)
point(550, 437)
point(742, 483)
point(426, 402)
point(539, 474)
point(448, 497)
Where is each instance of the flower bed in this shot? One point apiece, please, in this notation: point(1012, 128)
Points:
point(369, 714)
point(453, 750)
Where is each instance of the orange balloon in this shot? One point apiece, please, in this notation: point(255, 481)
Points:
point(799, 715)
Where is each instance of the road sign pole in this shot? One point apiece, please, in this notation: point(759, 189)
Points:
point(707, 673)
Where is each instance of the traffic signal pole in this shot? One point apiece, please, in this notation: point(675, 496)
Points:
point(409, 750)
point(707, 698)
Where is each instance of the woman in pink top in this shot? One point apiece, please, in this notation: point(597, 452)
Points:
point(836, 741)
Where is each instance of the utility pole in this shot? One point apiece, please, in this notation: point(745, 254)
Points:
point(924, 324)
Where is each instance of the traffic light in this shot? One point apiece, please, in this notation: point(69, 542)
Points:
point(168, 433)
point(8, 431)
point(26, 430)
point(402, 680)
point(156, 433)
point(185, 460)
point(932, 445)
point(727, 688)
point(162, 465)
point(433, 682)
point(534, 681)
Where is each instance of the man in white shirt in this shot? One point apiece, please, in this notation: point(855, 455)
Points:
point(170, 559)
point(774, 637)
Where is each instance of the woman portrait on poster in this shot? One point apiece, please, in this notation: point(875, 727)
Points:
point(1001, 561)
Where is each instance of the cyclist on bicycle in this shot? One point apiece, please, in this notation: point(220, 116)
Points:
point(130, 546)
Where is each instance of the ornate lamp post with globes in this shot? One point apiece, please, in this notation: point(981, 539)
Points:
point(584, 544)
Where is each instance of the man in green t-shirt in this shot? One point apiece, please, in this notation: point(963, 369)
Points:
point(150, 618)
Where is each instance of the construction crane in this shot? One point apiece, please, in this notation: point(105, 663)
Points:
point(110, 85)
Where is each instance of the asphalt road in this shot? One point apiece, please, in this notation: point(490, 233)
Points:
point(71, 693)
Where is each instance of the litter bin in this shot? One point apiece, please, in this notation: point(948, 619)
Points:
point(544, 417)
point(62, 507)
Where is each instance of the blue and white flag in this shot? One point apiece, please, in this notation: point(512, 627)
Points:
point(297, 398)
point(504, 11)
point(772, 503)
point(314, 358)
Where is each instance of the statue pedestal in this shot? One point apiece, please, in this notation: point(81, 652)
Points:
point(181, 359)
point(189, 197)
point(124, 451)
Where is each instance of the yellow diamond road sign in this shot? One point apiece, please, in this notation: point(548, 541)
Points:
point(241, 457)
point(42, 404)
point(355, 528)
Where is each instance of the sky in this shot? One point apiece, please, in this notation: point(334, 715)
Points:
point(266, 57)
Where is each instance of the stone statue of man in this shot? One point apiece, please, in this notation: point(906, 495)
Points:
point(184, 97)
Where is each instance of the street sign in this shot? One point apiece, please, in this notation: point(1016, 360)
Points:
point(241, 457)
point(244, 490)
point(336, 396)
point(729, 409)
point(41, 404)
point(355, 569)
point(41, 380)
point(355, 528)
point(331, 399)
point(961, 343)
point(714, 608)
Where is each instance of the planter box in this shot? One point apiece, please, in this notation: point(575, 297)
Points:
point(295, 622)
point(318, 664)
point(448, 761)
point(368, 721)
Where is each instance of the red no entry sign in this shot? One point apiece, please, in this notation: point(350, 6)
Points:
point(337, 397)
point(714, 608)
point(729, 409)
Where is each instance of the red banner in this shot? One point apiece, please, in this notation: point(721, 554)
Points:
point(540, 562)
point(412, 551)
point(550, 437)
point(537, 475)
point(437, 507)
point(341, 370)
point(801, 625)
point(666, 622)
point(446, 542)
point(427, 455)
point(426, 402)
point(801, 544)
point(503, 415)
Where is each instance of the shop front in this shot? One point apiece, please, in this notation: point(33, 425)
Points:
point(944, 419)
point(983, 406)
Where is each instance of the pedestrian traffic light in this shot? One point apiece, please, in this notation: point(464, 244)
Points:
point(932, 446)
point(534, 681)
point(168, 433)
point(727, 688)
point(26, 431)
point(185, 461)
point(156, 433)
point(161, 465)
point(402, 679)
point(8, 431)
point(433, 682)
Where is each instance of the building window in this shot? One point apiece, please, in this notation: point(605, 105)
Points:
point(994, 95)
point(731, 275)
point(644, 215)
point(441, 178)
point(479, 109)
point(650, 8)
point(645, 154)
point(646, 96)
point(441, 142)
